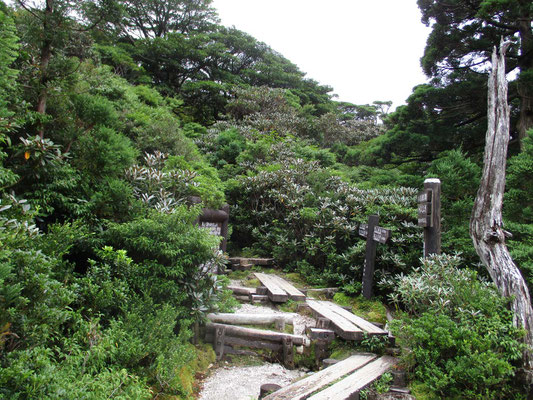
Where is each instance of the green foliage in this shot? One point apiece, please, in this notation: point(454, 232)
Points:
point(518, 197)
point(460, 337)
point(104, 152)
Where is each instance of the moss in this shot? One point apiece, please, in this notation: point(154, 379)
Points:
point(252, 282)
point(340, 349)
point(296, 279)
point(289, 306)
point(238, 275)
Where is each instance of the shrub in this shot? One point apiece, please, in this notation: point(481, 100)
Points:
point(460, 338)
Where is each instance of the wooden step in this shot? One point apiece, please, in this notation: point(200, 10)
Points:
point(303, 388)
point(275, 293)
point(349, 386)
point(342, 327)
point(251, 319)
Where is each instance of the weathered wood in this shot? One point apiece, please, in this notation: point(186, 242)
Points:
point(341, 325)
point(242, 298)
point(432, 232)
point(251, 319)
point(242, 342)
point(267, 388)
point(370, 257)
point(259, 298)
point(243, 291)
point(294, 294)
point(347, 387)
point(361, 323)
point(288, 353)
point(261, 290)
point(257, 334)
point(486, 222)
point(303, 388)
point(320, 334)
point(220, 333)
point(253, 261)
point(321, 322)
point(275, 293)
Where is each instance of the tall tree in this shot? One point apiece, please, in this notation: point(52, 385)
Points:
point(486, 222)
point(157, 18)
point(52, 32)
point(459, 47)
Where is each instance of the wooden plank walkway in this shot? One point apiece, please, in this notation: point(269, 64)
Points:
point(346, 324)
point(363, 324)
point(349, 386)
point(342, 327)
point(275, 293)
point(305, 387)
point(278, 289)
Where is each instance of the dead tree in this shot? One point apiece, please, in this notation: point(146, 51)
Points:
point(486, 223)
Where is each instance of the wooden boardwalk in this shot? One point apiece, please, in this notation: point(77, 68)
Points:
point(278, 289)
point(358, 371)
point(345, 324)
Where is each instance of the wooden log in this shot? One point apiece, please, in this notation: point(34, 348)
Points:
point(242, 291)
point(242, 342)
point(261, 290)
point(339, 324)
point(242, 298)
point(275, 293)
point(303, 388)
point(347, 387)
point(258, 334)
point(251, 319)
point(486, 222)
point(267, 388)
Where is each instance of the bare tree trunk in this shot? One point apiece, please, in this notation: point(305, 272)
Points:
point(486, 223)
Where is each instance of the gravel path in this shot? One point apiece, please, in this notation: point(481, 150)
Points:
point(243, 383)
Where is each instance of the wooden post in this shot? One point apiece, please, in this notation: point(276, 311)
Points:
point(288, 355)
point(220, 334)
point(373, 234)
point(429, 216)
point(370, 257)
point(486, 222)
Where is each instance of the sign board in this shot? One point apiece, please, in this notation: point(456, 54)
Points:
point(215, 228)
point(381, 235)
point(363, 230)
point(425, 208)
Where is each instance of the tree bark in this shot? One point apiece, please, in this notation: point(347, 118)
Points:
point(486, 222)
point(46, 56)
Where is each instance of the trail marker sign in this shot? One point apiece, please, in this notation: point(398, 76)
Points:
point(374, 234)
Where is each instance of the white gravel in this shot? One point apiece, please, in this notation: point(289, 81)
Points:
point(244, 383)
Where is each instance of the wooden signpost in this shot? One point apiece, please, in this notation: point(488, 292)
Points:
point(374, 234)
point(429, 215)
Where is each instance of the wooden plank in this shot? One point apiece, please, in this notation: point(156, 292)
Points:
point(303, 388)
point(274, 291)
point(294, 294)
point(341, 325)
point(257, 334)
point(349, 386)
point(321, 334)
point(363, 324)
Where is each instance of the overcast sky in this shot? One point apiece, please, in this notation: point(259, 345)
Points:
point(365, 49)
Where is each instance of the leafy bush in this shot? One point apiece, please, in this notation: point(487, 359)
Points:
point(460, 338)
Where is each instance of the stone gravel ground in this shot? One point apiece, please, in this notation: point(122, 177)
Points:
point(244, 382)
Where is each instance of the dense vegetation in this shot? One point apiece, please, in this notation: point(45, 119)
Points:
point(113, 113)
